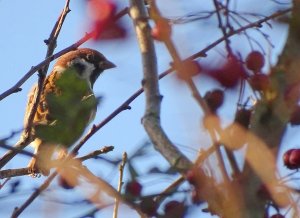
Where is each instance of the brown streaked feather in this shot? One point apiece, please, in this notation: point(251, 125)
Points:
point(42, 115)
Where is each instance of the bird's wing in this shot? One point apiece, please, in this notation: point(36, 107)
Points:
point(42, 115)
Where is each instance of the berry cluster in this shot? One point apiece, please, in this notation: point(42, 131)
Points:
point(291, 159)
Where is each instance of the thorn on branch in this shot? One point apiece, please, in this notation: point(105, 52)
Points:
point(127, 107)
point(14, 212)
point(18, 89)
point(40, 74)
point(46, 41)
point(94, 127)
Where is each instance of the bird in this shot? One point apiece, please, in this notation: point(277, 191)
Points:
point(66, 106)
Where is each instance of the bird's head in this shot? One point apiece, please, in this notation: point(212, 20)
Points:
point(88, 63)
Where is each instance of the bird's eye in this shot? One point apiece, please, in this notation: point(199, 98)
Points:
point(89, 57)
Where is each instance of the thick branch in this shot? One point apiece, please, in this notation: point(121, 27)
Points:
point(151, 119)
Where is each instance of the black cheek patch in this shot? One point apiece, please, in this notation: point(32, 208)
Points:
point(79, 67)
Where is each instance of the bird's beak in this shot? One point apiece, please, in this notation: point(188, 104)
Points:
point(106, 65)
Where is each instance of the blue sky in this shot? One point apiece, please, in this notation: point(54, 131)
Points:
point(25, 25)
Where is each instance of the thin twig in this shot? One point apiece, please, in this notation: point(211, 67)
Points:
point(170, 189)
point(103, 185)
point(55, 163)
point(96, 153)
point(256, 24)
point(26, 135)
point(212, 133)
point(3, 184)
point(121, 170)
point(16, 149)
point(35, 194)
point(221, 26)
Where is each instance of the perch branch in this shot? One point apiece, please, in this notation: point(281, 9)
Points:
point(51, 42)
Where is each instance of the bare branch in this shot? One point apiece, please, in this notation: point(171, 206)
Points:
point(256, 24)
point(121, 170)
point(26, 138)
point(151, 119)
point(108, 189)
point(81, 171)
point(16, 149)
point(96, 153)
point(55, 163)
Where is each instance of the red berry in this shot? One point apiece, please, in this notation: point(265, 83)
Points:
point(230, 73)
point(291, 158)
point(255, 61)
point(259, 81)
point(286, 157)
point(162, 30)
point(102, 13)
point(294, 158)
point(214, 99)
point(295, 116)
point(187, 69)
point(174, 209)
point(243, 117)
point(149, 206)
point(133, 188)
